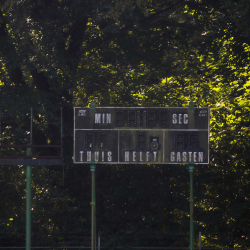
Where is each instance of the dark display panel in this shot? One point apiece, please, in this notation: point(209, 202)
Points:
point(141, 135)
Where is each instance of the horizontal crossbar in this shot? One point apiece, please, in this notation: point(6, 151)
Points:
point(30, 146)
point(31, 162)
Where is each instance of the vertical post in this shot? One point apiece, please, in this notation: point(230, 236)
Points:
point(61, 124)
point(99, 241)
point(31, 120)
point(62, 142)
point(93, 206)
point(28, 191)
point(28, 205)
point(93, 220)
point(191, 171)
point(61, 133)
point(0, 127)
point(199, 240)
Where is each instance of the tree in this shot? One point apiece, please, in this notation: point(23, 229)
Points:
point(60, 53)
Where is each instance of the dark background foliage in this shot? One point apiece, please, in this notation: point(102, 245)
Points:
point(63, 53)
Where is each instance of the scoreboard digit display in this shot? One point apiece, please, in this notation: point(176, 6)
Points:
point(110, 135)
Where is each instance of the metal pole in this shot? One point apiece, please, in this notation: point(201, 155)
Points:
point(93, 207)
point(0, 127)
point(94, 220)
point(191, 171)
point(28, 192)
point(199, 240)
point(92, 169)
point(99, 241)
point(31, 120)
point(61, 125)
point(62, 142)
point(61, 132)
point(28, 205)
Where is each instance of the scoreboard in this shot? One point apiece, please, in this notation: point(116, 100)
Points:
point(122, 135)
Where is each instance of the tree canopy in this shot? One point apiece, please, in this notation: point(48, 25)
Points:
point(62, 53)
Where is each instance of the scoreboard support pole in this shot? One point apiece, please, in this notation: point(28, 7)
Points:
point(93, 208)
point(191, 171)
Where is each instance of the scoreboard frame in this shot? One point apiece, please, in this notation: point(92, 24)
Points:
point(141, 135)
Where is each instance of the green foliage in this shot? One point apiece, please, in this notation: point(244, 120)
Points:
point(62, 53)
